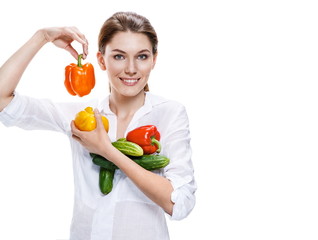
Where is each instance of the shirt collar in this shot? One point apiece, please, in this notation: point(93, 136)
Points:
point(151, 100)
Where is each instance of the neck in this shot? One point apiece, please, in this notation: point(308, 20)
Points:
point(124, 106)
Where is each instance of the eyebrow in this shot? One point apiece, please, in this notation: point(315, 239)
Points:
point(121, 51)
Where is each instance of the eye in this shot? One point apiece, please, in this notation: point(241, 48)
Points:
point(119, 57)
point(142, 56)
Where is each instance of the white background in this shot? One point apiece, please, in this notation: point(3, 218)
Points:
point(247, 73)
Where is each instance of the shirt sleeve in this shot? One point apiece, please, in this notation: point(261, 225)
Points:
point(180, 169)
point(36, 114)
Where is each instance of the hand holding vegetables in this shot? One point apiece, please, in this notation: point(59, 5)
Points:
point(86, 121)
point(88, 129)
point(62, 37)
point(143, 135)
point(93, 135)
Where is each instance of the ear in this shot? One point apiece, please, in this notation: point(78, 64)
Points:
point(100, 60)
point(154, 60)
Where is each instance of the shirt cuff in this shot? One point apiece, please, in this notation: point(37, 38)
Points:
point(183, 197)
point(184, 201)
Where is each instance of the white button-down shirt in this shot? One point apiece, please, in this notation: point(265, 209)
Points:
point(125, 213)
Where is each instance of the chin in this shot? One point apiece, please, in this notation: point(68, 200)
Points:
point(131, 92)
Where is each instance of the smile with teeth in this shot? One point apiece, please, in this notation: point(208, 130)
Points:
point(130, 81)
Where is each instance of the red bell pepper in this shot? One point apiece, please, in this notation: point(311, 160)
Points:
point(147, 137)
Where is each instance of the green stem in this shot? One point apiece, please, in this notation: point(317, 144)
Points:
point(79, 60)
point(156, 142)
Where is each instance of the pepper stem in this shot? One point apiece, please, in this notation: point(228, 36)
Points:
point(79, 60)
point(157, 143)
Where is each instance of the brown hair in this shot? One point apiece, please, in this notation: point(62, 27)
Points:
point(124, 22)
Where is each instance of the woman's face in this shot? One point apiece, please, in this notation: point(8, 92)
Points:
point(128, 60)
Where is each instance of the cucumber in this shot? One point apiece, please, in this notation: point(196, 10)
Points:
point(148, 162)
point(106, 178)
point(128, 148)
point(134, 152)
point(151, 162)
point(103, 162)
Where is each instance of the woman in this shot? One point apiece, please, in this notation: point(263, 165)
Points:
point(135, 208)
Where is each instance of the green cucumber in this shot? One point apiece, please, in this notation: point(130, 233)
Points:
point(128, 148)
point(151, 162)
point(107, 168)
point(103, 162)
point(148, 162)
point(106, 178)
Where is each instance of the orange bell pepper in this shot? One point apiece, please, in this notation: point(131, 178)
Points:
point(79, 79)
point(85, 120)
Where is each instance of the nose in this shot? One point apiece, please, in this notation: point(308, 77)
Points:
point(131, 68)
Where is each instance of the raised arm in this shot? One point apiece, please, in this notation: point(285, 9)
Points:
point(12, 70)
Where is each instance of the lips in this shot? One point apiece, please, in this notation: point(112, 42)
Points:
point(130, 81)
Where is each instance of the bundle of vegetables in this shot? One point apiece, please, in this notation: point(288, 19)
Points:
point(141, 145)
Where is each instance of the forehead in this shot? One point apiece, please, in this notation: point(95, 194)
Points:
point(129, 42)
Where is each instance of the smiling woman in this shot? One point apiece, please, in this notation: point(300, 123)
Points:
point(136, 206)
point(129, 58)
point(135, 23)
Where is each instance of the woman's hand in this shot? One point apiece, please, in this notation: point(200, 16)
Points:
point(12, 70)
point(63, 37)
point(96, 141)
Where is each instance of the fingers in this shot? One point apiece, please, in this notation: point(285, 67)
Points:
point(76, 35)
point(98, 117)
point(85, 50)
point(75, 131)
point(63, 37)
point(79, 37)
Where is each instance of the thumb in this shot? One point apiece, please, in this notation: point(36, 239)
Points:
point(98, 117)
